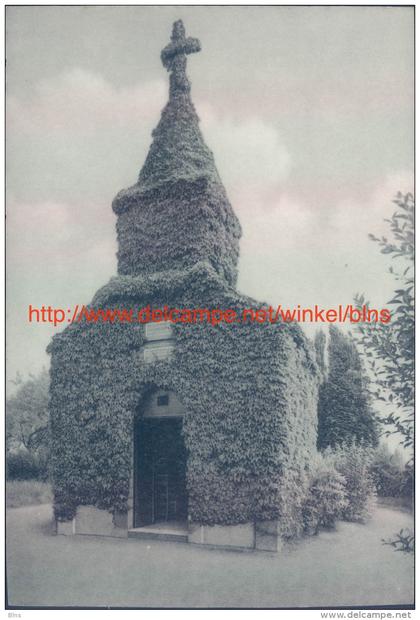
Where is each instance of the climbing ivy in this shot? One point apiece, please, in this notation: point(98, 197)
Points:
point(249, 392)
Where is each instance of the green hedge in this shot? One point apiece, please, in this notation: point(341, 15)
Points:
point(25, 465)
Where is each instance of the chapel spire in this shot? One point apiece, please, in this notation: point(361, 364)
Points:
point(178, 150)
point(178, 213)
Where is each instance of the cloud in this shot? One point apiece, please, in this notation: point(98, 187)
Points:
point(73, 143)
point(309, 255)
point(80, 100)
point(50, 236)
point(249, 153)
point(80, 137)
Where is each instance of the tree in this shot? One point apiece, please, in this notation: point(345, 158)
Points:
point(319, 344)
point(344, 411)
point(389, 348)
point(27, 414)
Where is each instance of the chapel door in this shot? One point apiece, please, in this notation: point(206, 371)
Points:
point(160, 487)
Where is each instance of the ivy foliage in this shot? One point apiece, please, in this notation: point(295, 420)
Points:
point(249, 391)
point(178, 213)
point(176, 226)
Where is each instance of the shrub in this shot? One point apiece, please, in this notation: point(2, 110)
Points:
point(326, 498)
point(407, 483)
point(388, 473)
point(353, 461)
point(27, 414)
point(27, 493)
point(25, 465)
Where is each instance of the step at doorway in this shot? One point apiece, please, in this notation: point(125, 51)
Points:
point(175, 531)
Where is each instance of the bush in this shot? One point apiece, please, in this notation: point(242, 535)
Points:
point(407, 483)
point(24, 465)
point(353, 461)
point(326, 498)
point(388, 473)
point(27, 414)
point(27, 493)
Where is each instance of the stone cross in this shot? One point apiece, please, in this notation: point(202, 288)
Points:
point(174, 57)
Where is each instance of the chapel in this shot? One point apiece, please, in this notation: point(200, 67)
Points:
point(189, 431)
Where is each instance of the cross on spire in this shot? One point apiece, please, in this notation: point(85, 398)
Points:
point(174, 57)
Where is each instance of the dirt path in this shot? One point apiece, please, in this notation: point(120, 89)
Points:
point(349, 567)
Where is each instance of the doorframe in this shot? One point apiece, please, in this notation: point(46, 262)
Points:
point(134, 469)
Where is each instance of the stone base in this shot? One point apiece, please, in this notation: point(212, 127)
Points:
point(89, 520)
point(263, 536)
point(226, 536)
point(267, 536)
point(65, 528)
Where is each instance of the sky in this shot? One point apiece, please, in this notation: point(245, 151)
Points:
point(308, 111)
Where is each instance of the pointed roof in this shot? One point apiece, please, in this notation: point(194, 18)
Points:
point(178, 213)
point(178, 150)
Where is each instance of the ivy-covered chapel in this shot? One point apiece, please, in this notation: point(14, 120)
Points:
point(195, 432)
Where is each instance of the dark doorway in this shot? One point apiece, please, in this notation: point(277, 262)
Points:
point(160, 467)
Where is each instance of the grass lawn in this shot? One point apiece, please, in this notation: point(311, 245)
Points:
point(348, 567)
point(27, 493)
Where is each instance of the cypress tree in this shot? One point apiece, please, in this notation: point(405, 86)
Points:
point(344, 411)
